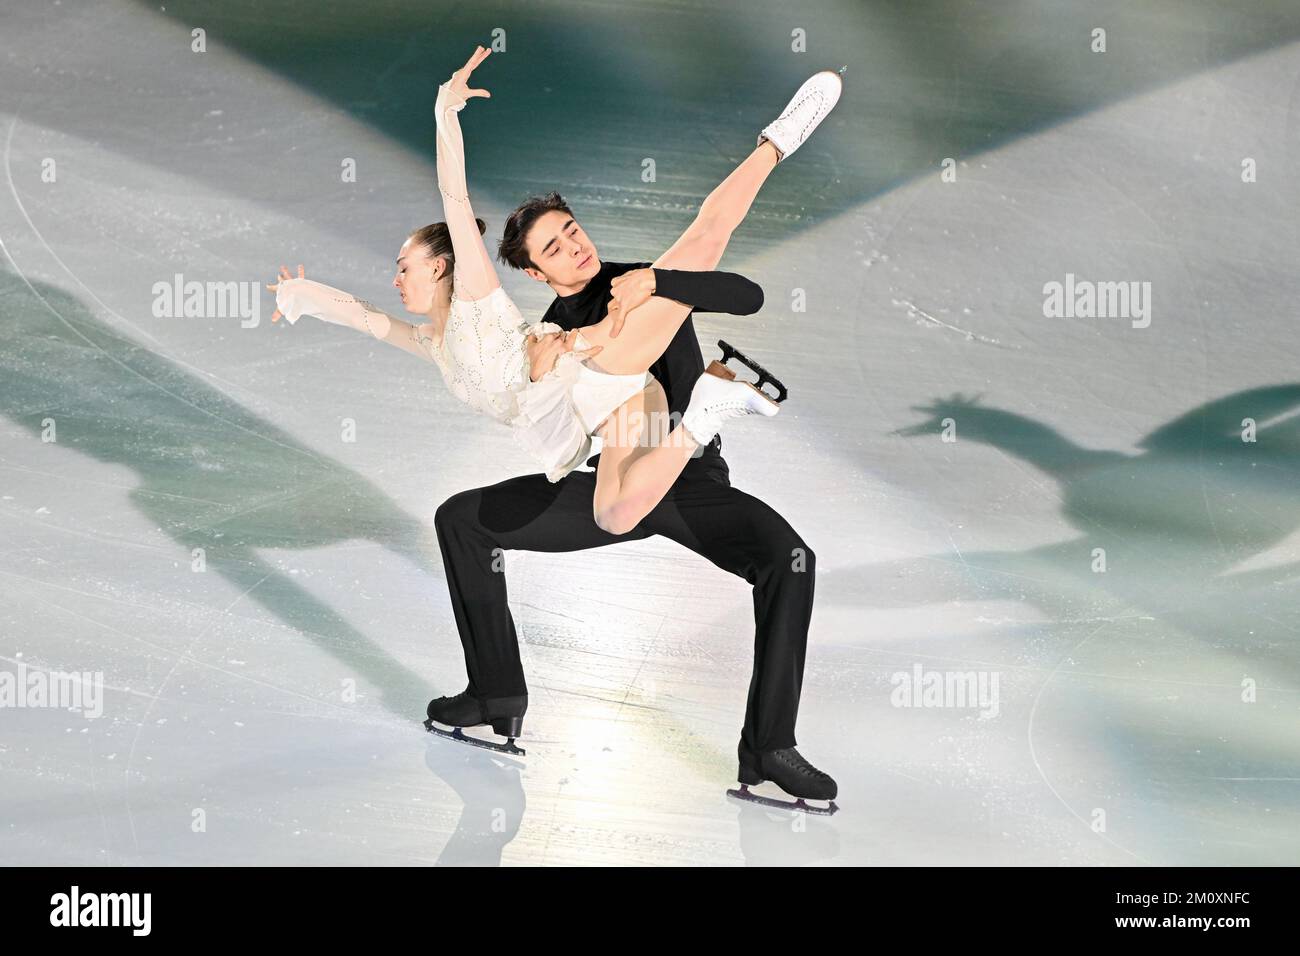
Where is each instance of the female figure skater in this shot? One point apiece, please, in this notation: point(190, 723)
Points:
point(481, 344)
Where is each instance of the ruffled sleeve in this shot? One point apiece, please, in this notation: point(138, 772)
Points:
point(542, 328)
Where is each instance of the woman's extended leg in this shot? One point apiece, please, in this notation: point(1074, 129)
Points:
point(721, 212)
point(639, 460)
point(652, 326)
point(655, 322)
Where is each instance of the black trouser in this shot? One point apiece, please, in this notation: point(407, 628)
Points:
point(735, 531)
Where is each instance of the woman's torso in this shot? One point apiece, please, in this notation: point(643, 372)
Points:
point(484, 358)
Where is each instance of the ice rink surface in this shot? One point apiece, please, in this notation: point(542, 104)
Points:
point(266, 708)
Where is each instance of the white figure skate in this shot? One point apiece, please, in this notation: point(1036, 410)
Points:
point(719, 396)
point(811, 104)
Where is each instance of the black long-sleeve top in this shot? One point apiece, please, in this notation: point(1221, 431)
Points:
point(710, 291)
point(682, 363)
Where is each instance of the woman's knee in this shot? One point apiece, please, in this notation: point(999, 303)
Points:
point(711, 240)
point(612, 521)
point(700, 248)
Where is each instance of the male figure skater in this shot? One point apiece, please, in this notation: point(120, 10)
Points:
point(702, 511)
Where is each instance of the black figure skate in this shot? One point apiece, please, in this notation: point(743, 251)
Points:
point(719, 368)
point(789, 771)
point(505, 714)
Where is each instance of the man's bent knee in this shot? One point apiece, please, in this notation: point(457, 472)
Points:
point(460, 509)
point(796, 558)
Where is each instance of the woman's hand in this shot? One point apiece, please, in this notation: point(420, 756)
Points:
point(284, 274)
point(629, 290)
point(545, 350)
point(459, 84)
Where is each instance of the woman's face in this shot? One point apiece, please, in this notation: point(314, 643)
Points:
point(417, 276)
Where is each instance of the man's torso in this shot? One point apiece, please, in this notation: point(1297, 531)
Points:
point(677, 370)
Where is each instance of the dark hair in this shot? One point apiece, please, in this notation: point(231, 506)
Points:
point(511, 249)
point(437, 240)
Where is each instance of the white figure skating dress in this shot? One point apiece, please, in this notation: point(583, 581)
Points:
point(483, 358)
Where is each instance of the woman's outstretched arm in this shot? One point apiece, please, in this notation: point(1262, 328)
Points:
point(474, 275)
point(295, 298)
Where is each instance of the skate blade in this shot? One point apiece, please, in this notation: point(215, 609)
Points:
point(773, 402)
point(798, 803)
point(506, 748)
point(764, 376)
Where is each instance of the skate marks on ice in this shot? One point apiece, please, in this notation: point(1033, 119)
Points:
point(1198, 593)
point(914, 311)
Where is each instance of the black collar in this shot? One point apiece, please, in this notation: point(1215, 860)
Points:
point(595, 292)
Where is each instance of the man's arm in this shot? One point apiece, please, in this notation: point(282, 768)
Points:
point(702, 291)
point(709, 291)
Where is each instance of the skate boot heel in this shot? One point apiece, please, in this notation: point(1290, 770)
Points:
point(510, 727)
point(789, 772)
point(720, 370)
point(504, 714)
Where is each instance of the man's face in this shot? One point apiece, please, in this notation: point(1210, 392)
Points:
point(560, 251)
